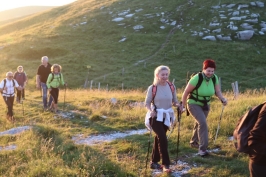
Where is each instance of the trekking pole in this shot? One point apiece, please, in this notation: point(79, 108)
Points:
point(178, 131)
point(64, 98)
point(22, 108)
point(219, 124)
point(149, 144)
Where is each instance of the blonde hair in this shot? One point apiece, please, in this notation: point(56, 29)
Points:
point(156, 72)
point(20, 67)
point(56, 66)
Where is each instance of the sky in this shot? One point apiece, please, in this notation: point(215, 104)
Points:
point(11, 4)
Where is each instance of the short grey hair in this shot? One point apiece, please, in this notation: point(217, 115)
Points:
point(156, 72)
point(9, 72)
point(45, 58)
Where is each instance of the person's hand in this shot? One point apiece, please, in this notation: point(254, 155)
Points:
point(37, 86)
point(19, 88)
point(224, 101)
point(153, 113)
point(182, 107)
point(50, 89)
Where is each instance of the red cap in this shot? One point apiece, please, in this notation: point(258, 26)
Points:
point(209, 63)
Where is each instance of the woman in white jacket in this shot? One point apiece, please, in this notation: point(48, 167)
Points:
point(160, 98)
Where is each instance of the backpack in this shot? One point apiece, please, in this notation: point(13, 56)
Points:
point(191, 96)
point(244, 126)
point(53, 77)
point(5, 84)
point(154, 89)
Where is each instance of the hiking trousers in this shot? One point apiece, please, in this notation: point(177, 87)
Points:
point(200, 130)
point(9, 103)
point(20, 94)
point(44, 96)
point(160, 145)
point(55, 93)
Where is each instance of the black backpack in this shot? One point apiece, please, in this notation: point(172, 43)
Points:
point(5, 84)
point(244, 126)
point(191, 96)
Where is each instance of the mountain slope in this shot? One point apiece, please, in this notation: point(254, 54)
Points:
point(20, 12)
point(86, 33)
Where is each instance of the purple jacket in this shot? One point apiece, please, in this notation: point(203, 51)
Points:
point(21, 78)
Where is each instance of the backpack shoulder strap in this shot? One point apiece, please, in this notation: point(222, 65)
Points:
point(171, 85)
point(214, 80)
point(4, 82)
point(154, 90)
point(13, 82)
point(199, 81)
point(52, 77)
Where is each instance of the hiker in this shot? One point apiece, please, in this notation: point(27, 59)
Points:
point(42, 74)
point(55, 79)
point(257, 146)
point(198, 103)
point(160, 115)
point(21, 77)
point(7, 87)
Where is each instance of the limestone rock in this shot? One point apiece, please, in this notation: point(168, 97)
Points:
point(245, 35)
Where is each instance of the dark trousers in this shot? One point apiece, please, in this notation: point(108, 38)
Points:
point(160, 145)
point(20, 94)
point(9, 104)
point(256, 170)
point(55, 93)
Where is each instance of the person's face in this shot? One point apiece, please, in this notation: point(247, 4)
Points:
point(9, 76)
point(163, 76)
point(20, 69)
point(44, 62)
point(56, 70)
point(209, 72)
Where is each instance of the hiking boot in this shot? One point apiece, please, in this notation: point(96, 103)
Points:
point(203, 153)
point(167, 169)
point(194, 145)
point(155, 165)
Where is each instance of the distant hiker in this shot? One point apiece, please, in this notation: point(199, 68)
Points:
point(7, 88)
point(257, 146)
point(21, 77)
point(42, 74)
point(160, 116)
point(197, 101)
point(55, 79)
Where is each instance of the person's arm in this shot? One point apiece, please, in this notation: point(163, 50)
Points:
point(189, 88)
point(148, 101)
point(175, 100)
point(2, 85)
point(219, 94)
point(48, 82)
point(17, 86)
point(62, 82)
point(38, 81)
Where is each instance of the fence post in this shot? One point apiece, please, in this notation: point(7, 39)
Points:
point(99, 86)
point(91, 84)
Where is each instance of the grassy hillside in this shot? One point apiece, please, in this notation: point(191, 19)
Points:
point(47, 149)
point(83, 33)
point(17, 13)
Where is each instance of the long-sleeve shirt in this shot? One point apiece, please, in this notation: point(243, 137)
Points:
point(163, 101)
point(20, 77)
point(257, 139)
point(10, 92)
point(56, 82)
